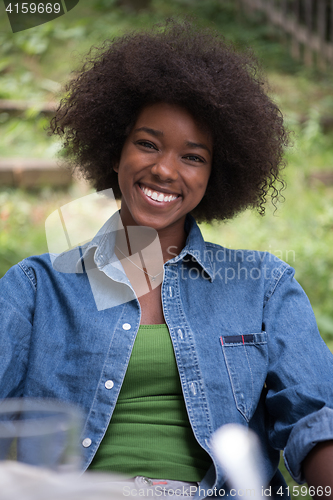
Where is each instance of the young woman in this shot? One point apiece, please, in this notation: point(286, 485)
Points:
point(179, 126)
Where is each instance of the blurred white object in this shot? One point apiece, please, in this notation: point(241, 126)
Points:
point(238, 451)
point(78, 221)
point(40, 432)
point(25, 482)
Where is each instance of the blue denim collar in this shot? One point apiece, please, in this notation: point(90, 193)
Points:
point(102, 246)
point(196, 247)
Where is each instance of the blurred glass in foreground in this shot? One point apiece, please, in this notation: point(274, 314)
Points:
point(40, 432)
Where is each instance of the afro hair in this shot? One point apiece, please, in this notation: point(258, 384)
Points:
point(177, 63)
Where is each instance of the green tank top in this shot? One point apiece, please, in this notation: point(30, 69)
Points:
point(150, 433)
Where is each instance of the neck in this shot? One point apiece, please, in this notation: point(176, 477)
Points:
point(131, 239)
point(171, 243)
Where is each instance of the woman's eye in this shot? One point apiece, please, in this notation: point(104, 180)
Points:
point(147, 144)
point(194, 158)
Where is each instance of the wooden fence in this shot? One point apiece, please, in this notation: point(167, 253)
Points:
point(33, 173)
point(308, 23)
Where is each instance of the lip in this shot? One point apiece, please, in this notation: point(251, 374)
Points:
point(156, 203)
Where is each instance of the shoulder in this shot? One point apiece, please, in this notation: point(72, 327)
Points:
point(40, 267)
point(25, 271)
point(250, 268)
point(248, 258)
point(18, 287)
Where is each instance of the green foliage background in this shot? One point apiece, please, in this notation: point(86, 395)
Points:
point(35, 64)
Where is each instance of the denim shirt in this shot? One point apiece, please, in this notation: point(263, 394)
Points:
point(245, 340)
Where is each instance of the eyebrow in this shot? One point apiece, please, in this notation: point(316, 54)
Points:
point(159, 133)
point(198, 145)
point(152, 131)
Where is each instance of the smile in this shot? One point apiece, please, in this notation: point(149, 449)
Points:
point(157, 195)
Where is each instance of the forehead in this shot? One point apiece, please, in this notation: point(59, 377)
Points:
point(166, 117)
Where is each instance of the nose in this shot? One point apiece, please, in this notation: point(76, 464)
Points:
point(166, 168)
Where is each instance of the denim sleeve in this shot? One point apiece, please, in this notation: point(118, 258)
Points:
point(17, 298)
point(300, 374)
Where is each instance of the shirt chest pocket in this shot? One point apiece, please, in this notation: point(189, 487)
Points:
point(246, 359)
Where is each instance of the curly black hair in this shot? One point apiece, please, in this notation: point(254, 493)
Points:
point(178, 63)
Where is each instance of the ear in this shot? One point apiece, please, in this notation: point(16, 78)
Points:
point(116, 167)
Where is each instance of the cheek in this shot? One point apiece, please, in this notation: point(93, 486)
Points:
point(207, 179)
point(131, 163)
point(202, 188)
point(203, 183)
point(200, 191)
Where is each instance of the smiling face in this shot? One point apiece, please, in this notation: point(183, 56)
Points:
point(164, 168)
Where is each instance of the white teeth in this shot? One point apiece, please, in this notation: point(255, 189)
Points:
point(157, 196)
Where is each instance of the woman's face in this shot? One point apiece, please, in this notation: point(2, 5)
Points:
point(164, 167)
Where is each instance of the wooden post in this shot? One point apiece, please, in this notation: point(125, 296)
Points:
point(330, 45)
point(284, 13)
point(284, 7)
point(321, 28)
point(295, 47)
point(308, 56)
point(331, 24)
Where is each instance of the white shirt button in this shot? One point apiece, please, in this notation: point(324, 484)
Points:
point(86, 442)
point(126, 326)
point(109, 384)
